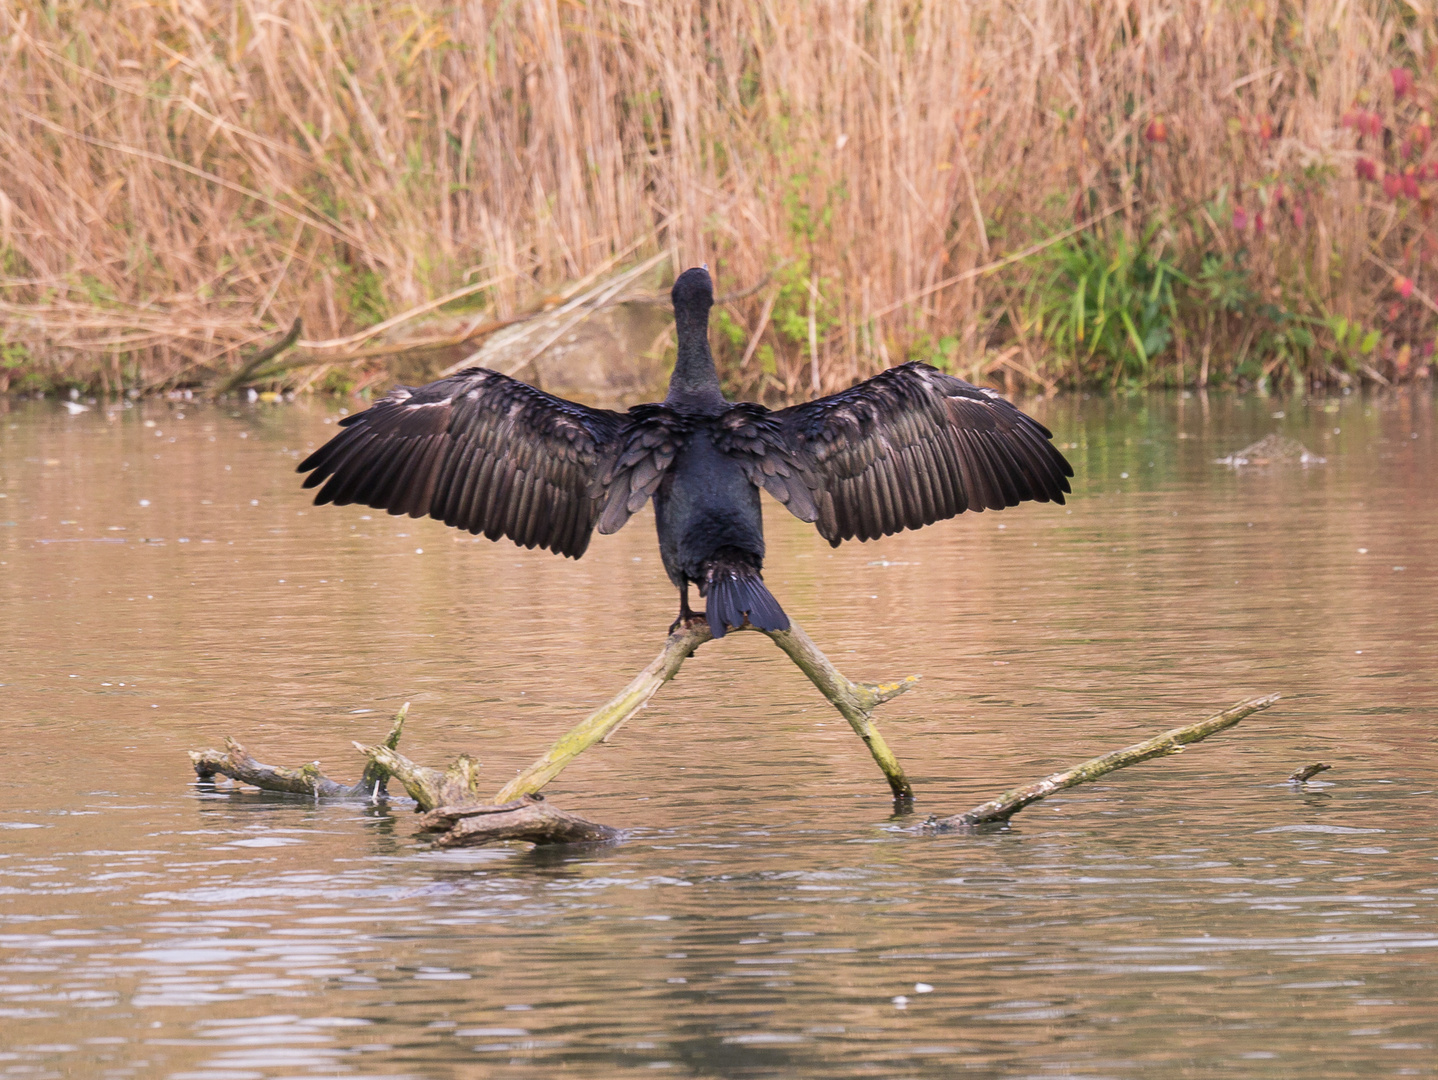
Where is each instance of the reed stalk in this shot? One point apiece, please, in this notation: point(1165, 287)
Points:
point(179, 182)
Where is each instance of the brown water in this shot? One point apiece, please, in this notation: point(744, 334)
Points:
point(164, 582)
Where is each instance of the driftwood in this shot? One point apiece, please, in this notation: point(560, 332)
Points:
point(248, 371)
point(459, 815)
point(455, 809)
point(237, 764)
point(429, 788)
point(530, 818)
point(1170, 742)
point(462, 816)
point(1308, 772)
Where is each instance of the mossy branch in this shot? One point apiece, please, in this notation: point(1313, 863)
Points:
point(1170, 742)
point(855, 702)
point(460, 816)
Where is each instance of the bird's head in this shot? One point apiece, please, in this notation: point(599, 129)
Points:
point(693, 291)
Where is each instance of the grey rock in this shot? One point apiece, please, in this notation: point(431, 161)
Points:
point(612, 356)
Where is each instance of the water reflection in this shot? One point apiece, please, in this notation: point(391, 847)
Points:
point(167, 584)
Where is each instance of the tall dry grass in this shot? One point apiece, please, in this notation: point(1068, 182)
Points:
point(179, 179)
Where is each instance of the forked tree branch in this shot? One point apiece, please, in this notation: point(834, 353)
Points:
point(856, 702)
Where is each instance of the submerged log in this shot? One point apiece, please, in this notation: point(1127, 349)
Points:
point(1170, 742)
point(463, 817)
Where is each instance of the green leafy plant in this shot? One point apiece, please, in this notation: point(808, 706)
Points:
point(1352, 340)
point(942, 352)
point(18, 370)
point(364, 295)
point(1106, 303)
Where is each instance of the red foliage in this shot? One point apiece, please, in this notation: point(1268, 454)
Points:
point(1366, 168)
point(1392, 185)
point(1156, 131)
point(1364, 121)
point(1404, 286)
point(1240, 219)
point(1402, 81)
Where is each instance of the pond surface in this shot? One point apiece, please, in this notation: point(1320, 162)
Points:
point(164, 582)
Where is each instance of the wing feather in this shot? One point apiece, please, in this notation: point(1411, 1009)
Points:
point(904, 449)
point(487, 453)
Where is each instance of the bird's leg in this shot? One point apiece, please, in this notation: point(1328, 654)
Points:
point(686, 614)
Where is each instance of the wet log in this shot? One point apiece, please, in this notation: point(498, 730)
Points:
point(529, 818)
point(455, 809)
point(1170, 742)
point(856, 702)
point(237, 763)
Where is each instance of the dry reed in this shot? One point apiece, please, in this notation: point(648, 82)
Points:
point(179, 179)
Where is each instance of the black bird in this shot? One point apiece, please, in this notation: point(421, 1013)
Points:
point(487, 453)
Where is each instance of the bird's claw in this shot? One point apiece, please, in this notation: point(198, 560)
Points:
point(688, 619)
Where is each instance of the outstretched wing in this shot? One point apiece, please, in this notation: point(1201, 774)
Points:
point(904, 449)
point(490, 454)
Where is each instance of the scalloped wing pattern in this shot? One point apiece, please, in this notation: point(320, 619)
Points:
point(483, 452)
point(904, 449)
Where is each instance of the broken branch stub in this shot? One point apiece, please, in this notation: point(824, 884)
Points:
point(1170, 742)
point(457, 785)
point(1308, 772)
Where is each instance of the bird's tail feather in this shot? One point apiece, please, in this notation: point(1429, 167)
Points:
point(736, 592)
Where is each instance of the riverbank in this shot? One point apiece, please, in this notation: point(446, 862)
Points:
point(1171, 192)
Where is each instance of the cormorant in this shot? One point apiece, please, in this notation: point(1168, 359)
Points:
point(488, 453)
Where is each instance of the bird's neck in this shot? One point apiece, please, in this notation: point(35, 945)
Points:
point(694, 385)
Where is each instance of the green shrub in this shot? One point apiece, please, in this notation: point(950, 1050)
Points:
point(1105, 304)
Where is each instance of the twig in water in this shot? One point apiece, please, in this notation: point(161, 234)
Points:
point(1308, 772)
